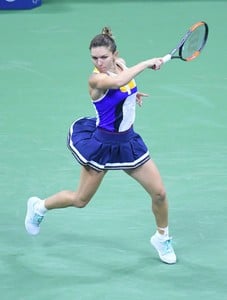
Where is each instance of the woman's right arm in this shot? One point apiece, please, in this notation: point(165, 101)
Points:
point(103, 82)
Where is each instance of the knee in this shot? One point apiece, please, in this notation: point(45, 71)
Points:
point(159, 197)
point(79, 201)
point(80, 204)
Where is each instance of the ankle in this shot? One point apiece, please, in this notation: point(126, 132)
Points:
point(163, 232)
point(40, 208)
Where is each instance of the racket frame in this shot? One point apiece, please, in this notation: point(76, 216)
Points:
point(180, 45)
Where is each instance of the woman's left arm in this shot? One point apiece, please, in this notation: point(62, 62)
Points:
point(139, 98)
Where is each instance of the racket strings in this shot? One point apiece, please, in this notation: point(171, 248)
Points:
point(194, 43)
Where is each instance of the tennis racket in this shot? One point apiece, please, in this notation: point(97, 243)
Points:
point(191, 45)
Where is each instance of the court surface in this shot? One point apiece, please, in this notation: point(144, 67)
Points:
point(102, 252)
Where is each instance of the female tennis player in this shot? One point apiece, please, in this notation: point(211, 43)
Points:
point(109, 142)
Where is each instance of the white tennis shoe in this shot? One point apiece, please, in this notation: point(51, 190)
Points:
point(164, 248)
point(33, 219)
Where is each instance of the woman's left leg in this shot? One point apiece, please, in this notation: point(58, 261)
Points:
point(149, 177)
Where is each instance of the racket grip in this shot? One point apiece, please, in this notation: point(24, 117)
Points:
point(166, 58)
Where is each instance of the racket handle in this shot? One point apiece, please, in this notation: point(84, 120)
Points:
point(166, 58)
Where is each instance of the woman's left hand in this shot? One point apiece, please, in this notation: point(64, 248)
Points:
point(139, 98)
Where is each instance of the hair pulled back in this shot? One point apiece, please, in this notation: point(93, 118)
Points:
point(105, 39)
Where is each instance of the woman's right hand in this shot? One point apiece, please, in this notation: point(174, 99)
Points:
point(155, 63)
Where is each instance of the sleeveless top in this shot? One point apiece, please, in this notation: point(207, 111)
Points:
point(108, 141)
point(115, 110)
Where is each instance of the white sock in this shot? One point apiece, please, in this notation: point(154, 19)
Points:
point(165, 234)
point(40, 208)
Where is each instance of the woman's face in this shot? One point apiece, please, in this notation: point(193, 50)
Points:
point(103, 59)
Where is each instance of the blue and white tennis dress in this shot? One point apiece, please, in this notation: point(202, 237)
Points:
point(108, 140)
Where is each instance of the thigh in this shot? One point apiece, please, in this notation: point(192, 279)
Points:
point(149, 177)
point(90, 180)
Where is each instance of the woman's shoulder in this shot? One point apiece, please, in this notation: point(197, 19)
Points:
point(121, 62)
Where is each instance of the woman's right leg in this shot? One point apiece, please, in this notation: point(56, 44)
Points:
point(88, 185)
point(36, 208)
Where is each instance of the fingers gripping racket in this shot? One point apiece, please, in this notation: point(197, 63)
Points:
point(191, 45)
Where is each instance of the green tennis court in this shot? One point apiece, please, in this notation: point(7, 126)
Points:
point(102, 252)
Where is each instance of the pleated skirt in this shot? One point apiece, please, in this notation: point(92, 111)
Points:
point(104, 150)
